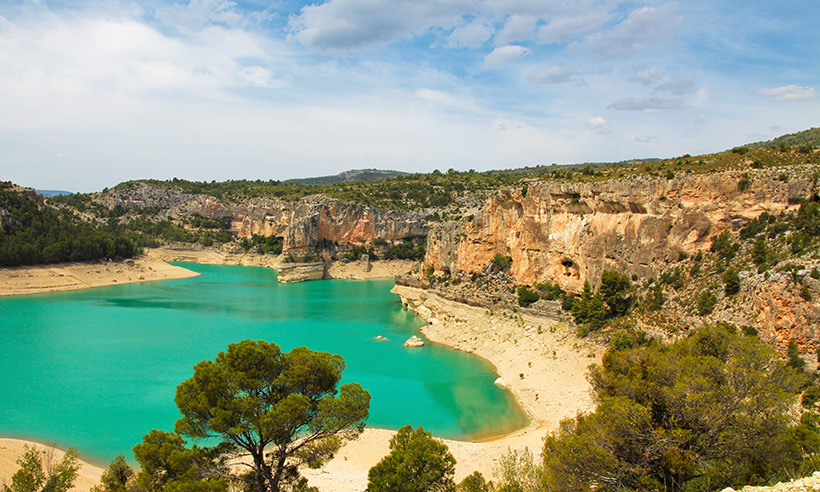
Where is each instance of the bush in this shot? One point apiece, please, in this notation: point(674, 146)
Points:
point(416, 463)
point(810, 397)
point(501, 262)
point(527, 296)
point(723, 245)
point(745, 183)
point(706, 412)
point(549, 291)
point(706, 302)
point(731, 281)
point(795, 361)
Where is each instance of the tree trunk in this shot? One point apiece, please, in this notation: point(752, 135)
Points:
point(673, 481)
point(259, 471)
point(280, 468)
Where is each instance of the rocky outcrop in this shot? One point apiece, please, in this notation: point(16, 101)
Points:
point(300, 272)
point(414, 342)
point(317, 218)
point(569, 233)
point(304, 225)
point(23, 195)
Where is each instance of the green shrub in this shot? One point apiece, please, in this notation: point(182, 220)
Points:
point(501, 262)
point(549, 291)
point(731, 281)
point(706, 302)
point(526, 296)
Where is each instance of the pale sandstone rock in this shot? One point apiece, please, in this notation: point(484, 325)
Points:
point(414, 341)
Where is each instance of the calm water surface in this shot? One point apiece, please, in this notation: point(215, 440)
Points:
point(98, 368)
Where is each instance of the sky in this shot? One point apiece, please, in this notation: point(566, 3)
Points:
point(93, 93)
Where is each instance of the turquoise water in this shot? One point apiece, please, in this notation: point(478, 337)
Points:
point(98, 368)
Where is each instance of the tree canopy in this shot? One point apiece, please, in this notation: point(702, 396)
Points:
point(705, 412)
point(282, 408)
point(416, 463)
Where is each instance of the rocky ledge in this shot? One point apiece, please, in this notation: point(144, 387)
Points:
point(301, 272)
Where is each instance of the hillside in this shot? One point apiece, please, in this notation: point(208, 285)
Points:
point(805, 138)
point(349, 176)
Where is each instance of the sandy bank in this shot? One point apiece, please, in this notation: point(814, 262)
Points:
point(358, 270)
point(72, 276)
point(350, 270)
point(12, 449)
point(542, 362)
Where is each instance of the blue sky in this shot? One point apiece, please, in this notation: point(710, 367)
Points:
point(95, 93)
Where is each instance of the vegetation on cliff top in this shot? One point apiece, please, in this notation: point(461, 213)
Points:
point(34, 234)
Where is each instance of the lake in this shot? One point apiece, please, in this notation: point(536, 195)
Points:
point(98, 368)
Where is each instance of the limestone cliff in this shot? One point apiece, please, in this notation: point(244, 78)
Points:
point(570, 232)
point(303, 224)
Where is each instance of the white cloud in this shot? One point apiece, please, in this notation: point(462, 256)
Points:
point(517, 28)
point(565, 29)
point(470, 35)
point(596, 122)
point(649, 104)
point(678, 87)
point(648, 76)
point(197, 13)
point(445, 99)
point(789, 93)
point(644, 139)
point(643, 27)
point(339, 25)
point(504, 55)
point(556, 74)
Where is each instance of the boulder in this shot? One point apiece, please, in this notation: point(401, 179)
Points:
point(414, 341)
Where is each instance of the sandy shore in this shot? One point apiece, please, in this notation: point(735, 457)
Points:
point(72, 276)
point(358, 270)
point(540, 360)
point(12, 449)
point(349, 270)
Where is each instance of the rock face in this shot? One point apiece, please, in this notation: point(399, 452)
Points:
point(568, 233)
point(300, 272)
point(303, 225)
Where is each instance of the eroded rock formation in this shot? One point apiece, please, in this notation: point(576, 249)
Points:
point(568, 233)
point(303, 225)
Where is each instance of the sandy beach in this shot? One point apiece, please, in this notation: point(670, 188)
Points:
point(72, 276)
point(540, 360)
point(12, 449)
point(339, 269)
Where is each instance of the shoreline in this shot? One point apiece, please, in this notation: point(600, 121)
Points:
point(11, 449)
point(153, 265)
point(551, 358)
point(59, 277)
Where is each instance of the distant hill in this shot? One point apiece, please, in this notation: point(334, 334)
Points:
point(810, 137)
point(50, 193)
point(349, 176)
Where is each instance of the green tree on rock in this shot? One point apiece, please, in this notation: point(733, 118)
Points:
point(416, 463)
point(282, 408)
